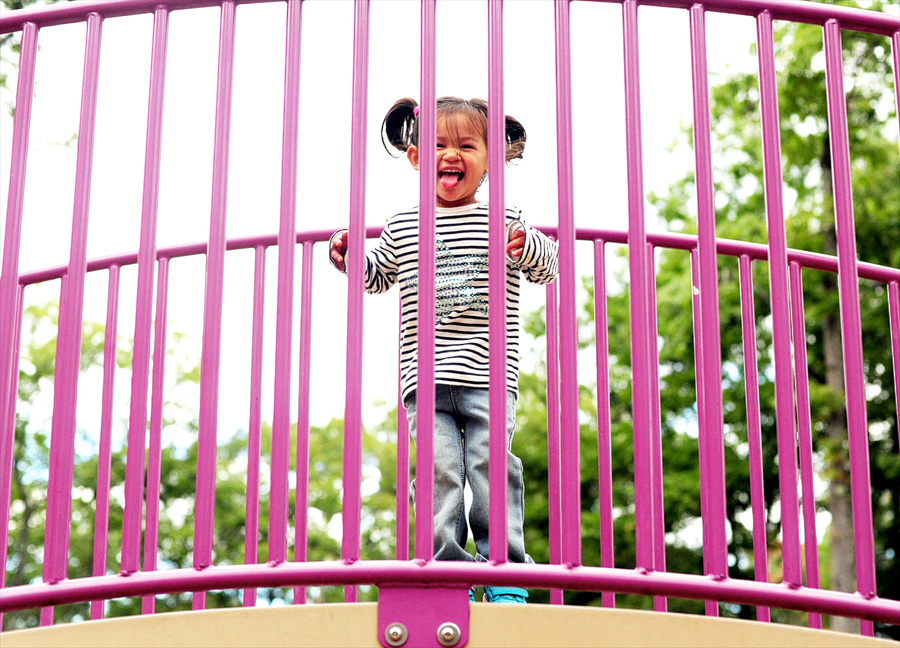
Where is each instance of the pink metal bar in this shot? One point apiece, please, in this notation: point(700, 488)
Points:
point(254, 425)
point(604, 423)
point(350, 542)
point(711, 607)
point(433, 573)
point(301, 501)
point(895, 50)
point(154, 455)
point(804, 435)
point(68, 346)
point(894, 316)
point(498, 548)
point(425, 338)
point(726, 247)
point(659, 522)
point(104, 452)
point(47, 612)
point(284, 300)
point(554, 477)
point(9, 288)
point(204, 512)
point(568, 325)
point(716, 545)
point(11, 415)
point(402, 526)
point(780, 299)
point(808, 12)
point(146, 262)
point(851, 327)
point(639, 308)
point(754, 433)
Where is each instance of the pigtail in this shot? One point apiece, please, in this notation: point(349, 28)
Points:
point(400, 126)
point(515, 139)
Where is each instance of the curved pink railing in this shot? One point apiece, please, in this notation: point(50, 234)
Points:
point(567, 571)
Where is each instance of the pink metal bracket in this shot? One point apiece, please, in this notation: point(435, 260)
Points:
point(424, 617)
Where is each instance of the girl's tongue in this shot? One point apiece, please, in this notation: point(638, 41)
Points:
point(449, 180)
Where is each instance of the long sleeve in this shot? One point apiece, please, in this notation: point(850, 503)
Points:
point(381, 264)
point(539, 262)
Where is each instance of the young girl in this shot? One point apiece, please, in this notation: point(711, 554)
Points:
point(461, 301)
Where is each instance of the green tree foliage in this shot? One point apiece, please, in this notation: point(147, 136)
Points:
point(177, 488)
point(740, 214)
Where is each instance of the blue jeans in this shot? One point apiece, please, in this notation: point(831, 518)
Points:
point(461, 452)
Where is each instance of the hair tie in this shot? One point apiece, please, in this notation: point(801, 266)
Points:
point(416, 111)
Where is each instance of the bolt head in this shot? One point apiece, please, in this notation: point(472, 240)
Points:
point(448, 634)
point(395, 634)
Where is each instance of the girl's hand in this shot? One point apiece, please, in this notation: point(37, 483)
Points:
point(339, 250)
point(516, 242)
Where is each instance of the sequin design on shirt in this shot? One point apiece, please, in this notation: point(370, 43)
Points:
point(454, 279)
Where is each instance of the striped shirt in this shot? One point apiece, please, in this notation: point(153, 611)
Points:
point(461, 290)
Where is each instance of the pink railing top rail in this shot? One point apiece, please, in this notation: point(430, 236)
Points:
point(564, 463)
point(815, 13)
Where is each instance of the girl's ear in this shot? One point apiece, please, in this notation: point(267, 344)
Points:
point(412, 154)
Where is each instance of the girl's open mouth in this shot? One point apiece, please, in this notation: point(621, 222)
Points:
point(449, 178)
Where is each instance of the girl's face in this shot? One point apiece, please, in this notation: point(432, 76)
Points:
point(461, 160)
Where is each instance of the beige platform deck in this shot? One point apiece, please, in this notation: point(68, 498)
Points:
point(351, 625)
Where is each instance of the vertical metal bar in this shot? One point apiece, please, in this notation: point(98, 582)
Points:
point(140, 365)
point(711, 607)
point(284, 300)
point(851, 327)
point(301, 500)
point(498, 474)
point(11, 415)
point(780, 299)
point(104, 453)
point(640, 334)
point(895, 50)
point(154, 455)
point(9, 281)
point(894, 317)
point(212, 308)
point(804, 436)
point(708, 286)
point(402, 526)
point(68, 345)
point(754, 432)
point(254, 425)
point(350, 543)
point(425, 378)
point(568, 325)
point(52, 539)
point(659, 522)
point(554, 478)
point(604, 423)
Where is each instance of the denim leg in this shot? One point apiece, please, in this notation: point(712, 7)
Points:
point(473, 407)
point(450, 530)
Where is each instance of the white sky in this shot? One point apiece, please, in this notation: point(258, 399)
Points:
point(324, 140)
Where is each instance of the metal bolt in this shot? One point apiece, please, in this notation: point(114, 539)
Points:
point(448, 634)
point(395, 634)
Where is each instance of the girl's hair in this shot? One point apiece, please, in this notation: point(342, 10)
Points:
point(400, 127)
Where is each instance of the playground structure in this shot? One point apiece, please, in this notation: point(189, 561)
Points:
point(408, 587)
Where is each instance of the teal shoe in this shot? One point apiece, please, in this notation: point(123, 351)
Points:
point(472, 594)
point(515, 595)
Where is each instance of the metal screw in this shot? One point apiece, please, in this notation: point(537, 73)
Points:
point(448, 634)
point(395, 634)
